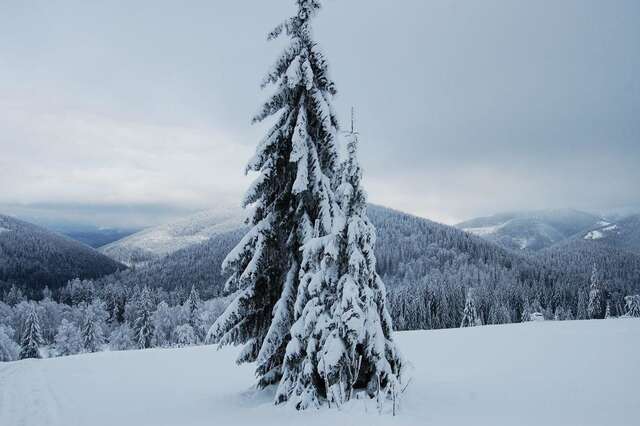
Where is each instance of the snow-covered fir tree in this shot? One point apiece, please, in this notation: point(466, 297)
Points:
point(470, 316)
point(291, 197)
point(632, 306)
point(93, 327)
point(14, 296)
point(526, 312)
point(68, 340)
point(31, 335)
point(143, 326)
point(192, 307)
point(341, 339)
point(597, 296)
point(581, 308)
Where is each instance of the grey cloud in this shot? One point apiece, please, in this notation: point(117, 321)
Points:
point(465, 108)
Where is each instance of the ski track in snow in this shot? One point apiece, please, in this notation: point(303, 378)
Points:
point(547, 373)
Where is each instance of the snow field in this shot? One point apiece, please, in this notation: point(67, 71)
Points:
point(551, 373)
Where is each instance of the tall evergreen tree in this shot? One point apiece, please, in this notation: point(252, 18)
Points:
point(526, 312)
point(291, 197)
point(581, 309)
point(143, 327)
point(341, 338)
point(470, 314)
point(31, 335)
point(192, 306)
point(597, 296)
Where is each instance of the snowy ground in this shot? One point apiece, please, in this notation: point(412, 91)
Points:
point(547, 373)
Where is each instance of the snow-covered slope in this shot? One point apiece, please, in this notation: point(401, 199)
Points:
point(408, 249)
point(550, 373)
point(531, 230)
point(623, 234)
point(33, 257)
point(159, 241)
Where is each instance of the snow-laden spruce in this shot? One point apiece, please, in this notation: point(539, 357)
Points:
point(143, 327)
point(93, 326)
point(291, 197)
point(341, 339)
point(192, 307)
point(596, 308)
point(310, 308)
point(31, 335)
point(470, 316)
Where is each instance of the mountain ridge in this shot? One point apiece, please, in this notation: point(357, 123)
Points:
point(33, 257)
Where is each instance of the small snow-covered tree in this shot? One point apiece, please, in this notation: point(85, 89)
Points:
point(14, 296)
point(632, 306)
point(46, 293)
point(185, 335)
point(50, 315)
point(470, 316)
point(68, 339)
point(192, 307)
point(31, 336)
point(292, 193)
point(559, 314)
point(526, 312)
point(164, 323)
point(9, 349)
point(499, 313)
point(121, 338)
point(143, 328)
point(92, 329)
point(581, 308)
point(597, 297)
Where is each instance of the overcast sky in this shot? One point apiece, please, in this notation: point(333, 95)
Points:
point(127, 113)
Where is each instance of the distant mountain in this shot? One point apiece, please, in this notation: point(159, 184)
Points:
point(33, 257)
point(159, 241)
point(622, 234)
point(409, 250)
point(198, 264)
point(426, 266)
point(534, 230)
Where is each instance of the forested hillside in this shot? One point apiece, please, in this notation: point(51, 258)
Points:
point(158, 241)
point(428, 268)
point(197, 265)
point(32, 258)
point(623, 234)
